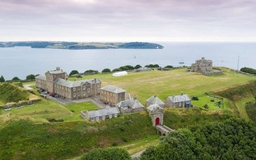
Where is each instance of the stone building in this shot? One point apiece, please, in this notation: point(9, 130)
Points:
point(203, 66)
point(102, 114)
point(155, 100)
point(112, 94)
point(130, 106)
point(55, 82)
point(156, 113)
point(179, 101)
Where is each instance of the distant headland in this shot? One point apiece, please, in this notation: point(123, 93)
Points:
point(82, 45)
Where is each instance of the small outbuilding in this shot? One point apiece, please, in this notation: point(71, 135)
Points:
point(130, 106)
point(155, 100)
point(121, 73)
point(179, 101)
point(102, 114)
point(156, 113)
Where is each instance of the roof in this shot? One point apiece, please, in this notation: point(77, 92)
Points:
point(42, 77)
point(113, 89)
point(134, 103)
point(56, 71)
point(179, 98)
point(103, 112)
point(70, 84)
point(154, 107)
point(155, 100)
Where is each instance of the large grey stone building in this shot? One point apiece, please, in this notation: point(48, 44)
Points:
point(55, 82)
point(202, 65)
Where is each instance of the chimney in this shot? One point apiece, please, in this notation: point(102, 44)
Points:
point(181, 93)
point(57, 68)
point(95, 80)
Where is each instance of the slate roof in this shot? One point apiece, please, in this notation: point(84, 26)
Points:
point(56, 72)
point(179, 98)
point(70, 84)
point(42, 77)
point(155, 100)
point(154, 107)
point(113, 89)
point(134, 103)
point(103, 112)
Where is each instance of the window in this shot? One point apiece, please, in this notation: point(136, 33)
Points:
point(74, 95)
point(74, 89)
point(88, 90)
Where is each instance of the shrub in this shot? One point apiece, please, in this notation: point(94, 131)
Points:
point(195, 98)
point(106, 70)
point(112, 153)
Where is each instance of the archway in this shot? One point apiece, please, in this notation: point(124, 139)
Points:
point(157, 121)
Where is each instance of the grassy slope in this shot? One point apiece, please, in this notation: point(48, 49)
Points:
point(12, 93)
point(65, 140)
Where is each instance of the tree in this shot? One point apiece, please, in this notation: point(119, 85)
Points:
point(107, 154)
point(30, 77)
point(116, 70)
point(91, 71)
point(152, 66)
point(2, 78)
point(15, 79)
point(106, 70)
point(73, 72)
point(168, 66)
point(231, 139)
point(137, 66)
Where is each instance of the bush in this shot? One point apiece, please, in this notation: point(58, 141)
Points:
point(116, 70)
point(91, 71)
point(248, 70)
point(15, 79)
point(195, 98)
point(137, 66)
point(152, 66)
point(168, 66)
point(106, 70)
point(112, 153)
point(73, 72)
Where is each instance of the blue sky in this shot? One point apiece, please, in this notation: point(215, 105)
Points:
point(128, 20)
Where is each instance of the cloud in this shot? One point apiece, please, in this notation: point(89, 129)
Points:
point(128, 19)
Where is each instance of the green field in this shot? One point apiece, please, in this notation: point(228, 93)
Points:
point(56, 138)
point(167, 83)
point(76, 108)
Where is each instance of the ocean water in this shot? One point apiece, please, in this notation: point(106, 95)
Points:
point(22, 61)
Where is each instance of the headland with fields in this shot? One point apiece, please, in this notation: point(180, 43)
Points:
point(29, 126)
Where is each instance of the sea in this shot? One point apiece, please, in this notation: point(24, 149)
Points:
point(22, 61)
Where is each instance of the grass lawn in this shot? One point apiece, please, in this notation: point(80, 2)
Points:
point(241, 107)
point(141, 144)
point(76, 108)
point(38, 112)
point(210, 101)
point(173, 82)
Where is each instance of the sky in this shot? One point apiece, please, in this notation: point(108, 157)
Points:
point(128, 20)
